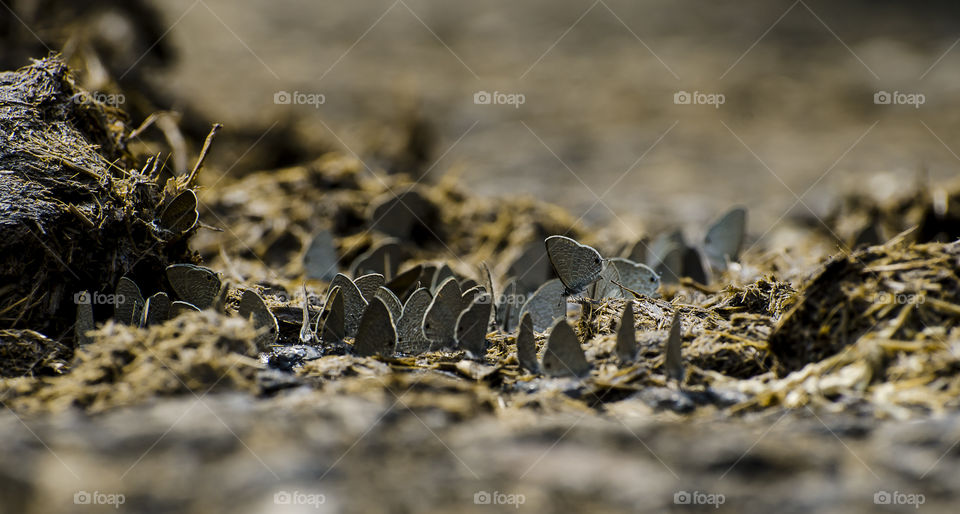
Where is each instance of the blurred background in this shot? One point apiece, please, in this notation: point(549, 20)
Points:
point(598, 130)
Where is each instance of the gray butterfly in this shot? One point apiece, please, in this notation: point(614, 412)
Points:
point(384, 259)
point(84, 322)
point(194, 284)
point(376, 335)
point(440, 322)
point(666, 256)
point(391, 301)
point(404, 282)
point(673, 358)
point(178, 307)
point(469, 295)
point(635, 277)
point(353, 303)
point(399, 215)
point(627, 335)
point(180, 215)
point(472, 328)
point(443, 273)
point(410, 325)
point(547, 305)
point(486, 279)
point(253, 308)
point(577, 265)
point(693, 267)
point(563, 356)
point(426, 276)
point(333, 318)
point(725, 238)
point(527, 346)
point(156, 309)
point(369, 284)
point(531, 268)
point(128, 302)
point(638, 252)
point(606, 285)
point(508, 309)
point(320, 261)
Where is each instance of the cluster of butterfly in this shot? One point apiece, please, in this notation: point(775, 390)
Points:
point(440, 311)
point(673, 257)
point(196, 288)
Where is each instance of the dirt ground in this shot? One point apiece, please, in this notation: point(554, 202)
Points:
point(812, 385)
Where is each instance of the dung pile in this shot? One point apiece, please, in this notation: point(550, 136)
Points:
point(894, 292)
point(77, 210)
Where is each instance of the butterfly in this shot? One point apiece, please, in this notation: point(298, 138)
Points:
point(440, 322)
point(353, 303)
point(333, 318)
point(563, 356)
point(384, 259)
point(156, 309)
point(673, 359)
point(196, 285)
point(472, 327)
point(128, 302)
point(391, 301)
point(410, 325)
point(627, 335)
point(625, 276)
point(724, 238)
point(320, 260)
point(180, 215)
point(576, 265)
point(546, 305)
point(376, 335)
point(402, 214)
point(527, 346)
point(253, 307)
